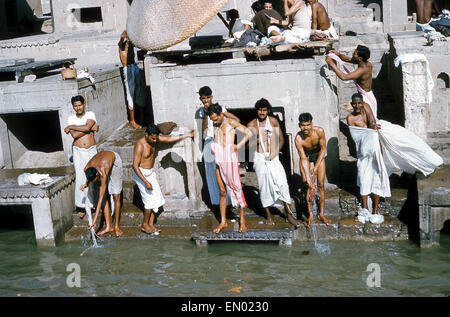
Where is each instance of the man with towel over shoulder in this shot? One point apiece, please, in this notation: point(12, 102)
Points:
point(272, 181)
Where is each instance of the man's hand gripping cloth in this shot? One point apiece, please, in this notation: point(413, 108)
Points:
point(272, 181)
point(152, 199)
point(368, 97)
point(227, 161)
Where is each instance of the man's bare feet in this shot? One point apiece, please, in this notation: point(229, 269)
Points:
point(308, 222)
point(220, 227)
point(270, 222)
point(150, 229)
point(242, 227)
point(324, 220)
point(106, 230)
point(292, 220)
point(118, 232)
point(135, 125)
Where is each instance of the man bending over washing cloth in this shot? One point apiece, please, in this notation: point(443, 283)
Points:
point(362, 76)
point(106, 168)
point(384, 148)
point(227, 170)
point(311, 145)
point(272, 181)
point(81, 127)
point(144, 173)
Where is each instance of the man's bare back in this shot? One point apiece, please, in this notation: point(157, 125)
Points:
point(320, 21)
point(102, 162)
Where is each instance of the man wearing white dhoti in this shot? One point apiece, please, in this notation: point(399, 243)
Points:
point(81, 127)
point(362, 76)
point(144, 173)
point(272, 181)
point(384, 148)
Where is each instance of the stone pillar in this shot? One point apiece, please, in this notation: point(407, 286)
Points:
point(416, 97)
point(395, 16)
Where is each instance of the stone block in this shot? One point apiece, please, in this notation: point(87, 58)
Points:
point(350, 229)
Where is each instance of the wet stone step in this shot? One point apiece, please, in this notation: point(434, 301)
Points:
point(283, 236)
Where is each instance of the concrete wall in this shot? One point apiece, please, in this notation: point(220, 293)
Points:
point(114, 15)
point(294, 85)
point(107, 100)
point(437, 113)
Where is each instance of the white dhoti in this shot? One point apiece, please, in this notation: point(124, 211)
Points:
point(80, 158)
point(331, 32)
point(369, 98)
point(152, 199)
point(272, 181)
point(372, 173)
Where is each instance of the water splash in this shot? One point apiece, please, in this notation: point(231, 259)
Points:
point(321, 248)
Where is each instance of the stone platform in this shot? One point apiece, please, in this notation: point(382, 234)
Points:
point(51, 204)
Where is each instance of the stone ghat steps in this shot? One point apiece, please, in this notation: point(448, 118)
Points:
point(346, 228)
point(440, 143)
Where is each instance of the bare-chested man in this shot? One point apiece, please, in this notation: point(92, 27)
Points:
point(227, 170)
point(320, 20)
point(311, 145)
point(145, 151)
point(272, 181)
point(132, 77)
point(81, 127)
point(363, 117)
point(106, 168)
point(362, 76)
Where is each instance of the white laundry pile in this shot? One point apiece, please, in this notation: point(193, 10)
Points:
point(83, 74)
point(416, 57)
point(34, 179)
point(366, 216)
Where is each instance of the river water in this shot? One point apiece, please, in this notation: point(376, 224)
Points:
point(170, 267)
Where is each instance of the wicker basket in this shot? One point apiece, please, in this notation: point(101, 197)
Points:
point(69, 71)
point(157, 24)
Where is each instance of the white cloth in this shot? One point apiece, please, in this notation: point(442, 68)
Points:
point(372, 173)
point(34, 179)
point(390, 149)
point(272, 181)
point(74, 120)
point(80, 158)
point(296, 35)
point(365, 216)
point(417, 57)
point(331, 32)
point(405, 151)
point(152, 199)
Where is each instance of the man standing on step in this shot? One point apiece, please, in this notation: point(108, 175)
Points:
point(145, 152)
point(81, 127)
point(106, 168)
point(362, 76)
point(272, 181)
point(133, 81)
point(384, 148)
point(227, 164)
point(311, 145)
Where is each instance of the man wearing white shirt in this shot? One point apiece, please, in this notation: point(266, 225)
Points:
point(81, 127)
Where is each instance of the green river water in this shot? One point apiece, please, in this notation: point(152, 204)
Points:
point(170, 267)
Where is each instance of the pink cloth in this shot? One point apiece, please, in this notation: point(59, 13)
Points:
point(227, 161)
point(369, 97)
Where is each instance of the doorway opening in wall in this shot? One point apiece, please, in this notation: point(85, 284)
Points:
point(34, 139)
point(88, 15)
point(16, 217)
point(248, 114)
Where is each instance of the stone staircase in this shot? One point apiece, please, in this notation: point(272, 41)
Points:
point(353, 16)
